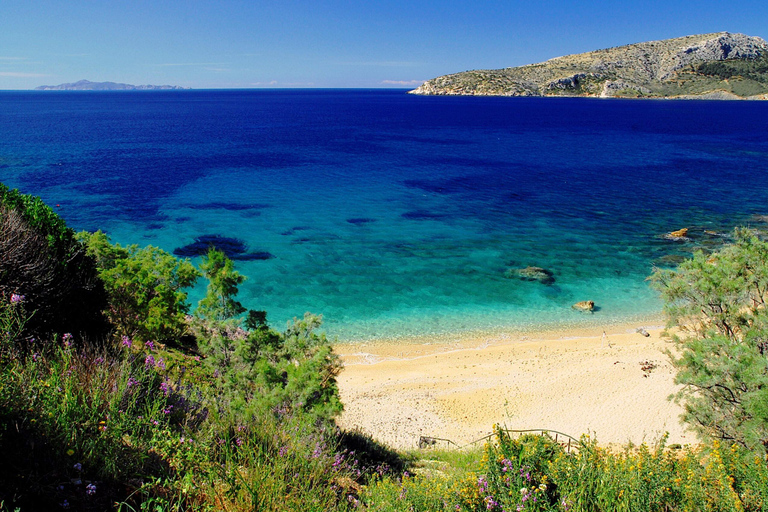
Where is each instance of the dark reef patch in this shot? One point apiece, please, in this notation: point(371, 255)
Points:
point(233, 207)
point(359, 221)
point(234, 248)
point(294, 230)
point(422, 215)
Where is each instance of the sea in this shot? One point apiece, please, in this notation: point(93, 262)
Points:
point(398, 216)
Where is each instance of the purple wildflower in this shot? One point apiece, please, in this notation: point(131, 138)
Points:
point(78, 467)
point(127, 342)
point(150, 345)
point(239, 442)
point(282, 451)
point(90, 489)
point(161, 363)
point(132, 382)
point(317, 452)
point(149, 361)
point(167, 410)
point(67, 338)
point(99, 360)
point(64, 504)
point(165, 388)
point(16, 298)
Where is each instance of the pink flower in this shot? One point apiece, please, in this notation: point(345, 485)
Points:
point(16, 298)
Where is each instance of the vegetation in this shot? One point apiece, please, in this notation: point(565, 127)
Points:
point(167, 411)
point(717, 302)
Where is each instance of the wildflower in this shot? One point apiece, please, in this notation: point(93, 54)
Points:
point(317, 452)
point(16, 298)
point(542, 487)
point(132, 382)
point(67, 339)
point(78, 467)
point(167, 410)
point(150, 345)
point(99, 360)
point(127, 342)
point(90, 489)
point(282, 451)
point(165, 388)
point(149, 361)
point(64, 504)
point(102, 426)
point(70, 452)
point(239, 442)
point(161, 363)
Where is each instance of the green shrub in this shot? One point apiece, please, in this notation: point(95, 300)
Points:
point(718, 302)
point(145, 287)
point(41, 261)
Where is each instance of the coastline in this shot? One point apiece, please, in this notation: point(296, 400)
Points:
point(576, 381)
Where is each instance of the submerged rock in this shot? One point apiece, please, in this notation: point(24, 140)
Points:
point(539, 274)
point(585, 305)
point(234, 248)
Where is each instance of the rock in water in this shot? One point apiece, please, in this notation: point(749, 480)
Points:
point(585, 305)
point(539, 274)
point(680, 234)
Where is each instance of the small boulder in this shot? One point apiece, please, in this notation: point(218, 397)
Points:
point(680, 234)
point(539, 274)
point(585, 305)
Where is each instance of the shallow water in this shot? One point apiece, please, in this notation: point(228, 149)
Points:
point(397, 215)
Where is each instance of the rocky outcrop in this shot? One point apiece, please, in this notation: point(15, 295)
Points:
point(672, 68)
point(587, 306)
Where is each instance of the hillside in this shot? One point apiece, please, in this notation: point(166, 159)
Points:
point(709, 66)
point(86, 85)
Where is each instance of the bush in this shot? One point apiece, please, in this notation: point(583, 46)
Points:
point(41, 261)
point(718, 302)
point(145, 287)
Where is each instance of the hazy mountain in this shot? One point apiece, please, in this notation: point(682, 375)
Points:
point(85, 85)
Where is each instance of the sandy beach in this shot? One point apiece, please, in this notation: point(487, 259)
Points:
point(610, 382)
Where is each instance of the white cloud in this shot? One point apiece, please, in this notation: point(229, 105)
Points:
point(402, 82)
point(170, 64)
point(16, 74)
point(379, 63)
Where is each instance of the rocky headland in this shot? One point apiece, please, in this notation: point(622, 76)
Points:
point(708, 66)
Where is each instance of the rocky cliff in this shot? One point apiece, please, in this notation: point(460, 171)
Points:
point(712, 66)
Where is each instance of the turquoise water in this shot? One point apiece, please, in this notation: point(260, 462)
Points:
point(394, 215)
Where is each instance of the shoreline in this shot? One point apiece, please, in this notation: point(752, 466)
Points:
point(578, 381)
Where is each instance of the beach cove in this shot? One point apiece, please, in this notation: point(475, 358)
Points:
point(611, 383)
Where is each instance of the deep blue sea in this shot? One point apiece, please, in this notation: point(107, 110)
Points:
point(397, 215)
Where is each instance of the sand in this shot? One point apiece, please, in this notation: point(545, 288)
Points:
point(577, 382)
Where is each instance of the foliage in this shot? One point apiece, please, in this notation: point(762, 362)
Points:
point(718, 303)
point(41, 261)
point(262, 370)
point(756, 69)
point(219, 303)
point(145, 287)
point(534, 473)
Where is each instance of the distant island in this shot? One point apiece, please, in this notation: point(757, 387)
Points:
point(86, 85)
point(708, 66)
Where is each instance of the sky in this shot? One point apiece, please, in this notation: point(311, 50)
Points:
point(327, 43)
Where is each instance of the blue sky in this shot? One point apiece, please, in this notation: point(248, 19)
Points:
point(327, 43)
